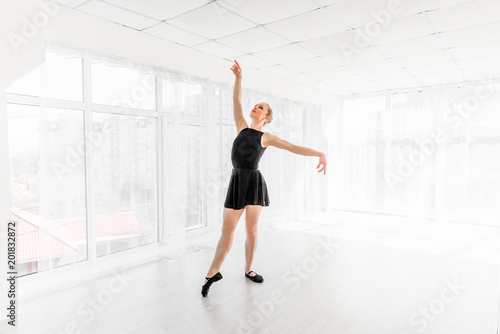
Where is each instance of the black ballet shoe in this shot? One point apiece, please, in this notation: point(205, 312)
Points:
point(205, 287)
point(257, 278)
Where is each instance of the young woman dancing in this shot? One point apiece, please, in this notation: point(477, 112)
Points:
point(247, 187)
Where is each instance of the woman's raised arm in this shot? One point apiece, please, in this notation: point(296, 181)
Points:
point(239, 120)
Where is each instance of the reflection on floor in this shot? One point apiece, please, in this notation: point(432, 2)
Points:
point(474, 242)
point(338, 272)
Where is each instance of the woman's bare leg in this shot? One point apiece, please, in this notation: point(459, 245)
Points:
point(252, 218)
point(230, 220)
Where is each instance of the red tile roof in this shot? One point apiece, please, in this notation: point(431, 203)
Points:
point(39, 238)
point(35, 243)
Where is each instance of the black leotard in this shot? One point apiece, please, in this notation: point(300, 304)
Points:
point(247, 185)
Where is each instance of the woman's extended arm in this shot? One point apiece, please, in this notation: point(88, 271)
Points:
point(305, 151)
point(272, 140)
point(239, 120)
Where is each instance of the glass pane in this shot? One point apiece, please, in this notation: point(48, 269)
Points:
point(123, 87)
point(64, 77)
point(192, 145)
point(60, 77)
point(48, 186)
point(183, 95)
point(125, 181)
point(186, 186)
point(483, 167)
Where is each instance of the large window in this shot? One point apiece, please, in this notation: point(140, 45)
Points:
point(84, 159)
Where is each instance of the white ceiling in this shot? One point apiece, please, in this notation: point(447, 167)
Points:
point(420, 43)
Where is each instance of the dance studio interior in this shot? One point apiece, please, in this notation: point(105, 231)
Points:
point(374, 207)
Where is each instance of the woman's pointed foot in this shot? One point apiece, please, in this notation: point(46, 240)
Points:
point(205, 287)
point(256, 277)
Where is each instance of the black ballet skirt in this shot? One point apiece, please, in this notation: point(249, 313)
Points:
point(246, 185)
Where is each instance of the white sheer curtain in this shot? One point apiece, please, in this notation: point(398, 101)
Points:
point(191, 158)
point(432, 153)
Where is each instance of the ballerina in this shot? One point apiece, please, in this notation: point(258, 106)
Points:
point(247, 188)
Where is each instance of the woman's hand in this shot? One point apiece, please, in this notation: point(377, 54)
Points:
point(322, 161)
point(236, 69)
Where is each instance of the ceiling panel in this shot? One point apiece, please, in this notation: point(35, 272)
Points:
point(117, 15)
point(375, 66)
point(306, 26)
point(160, 10)
point(477, 50)
point(412, 46)
point(328, 2)
point(285, 54)
point(174, 34)
point(340, 90)
point(265, 11)
point(390, 74)
point(423, 58)
point(321, 84)
point(333, 43)
point(492, 60)
point(308, 65)
point(300, 77)
point(404, 87)
point(69, 3)
point(440, 78)
point(364, 55)
point(435, 4)
point(399, 29)
point(278, 70)
point(252, 61)
point(211, 21)
point(362, 88)
point(336, 60)
point(333, 73)
point(433, 68)
point(219, 50)
point(393, 83)
point(464, 15)
point(352, 80)
point(477, 34)
point(361, 13)
point(254, 40)
point(482, 73)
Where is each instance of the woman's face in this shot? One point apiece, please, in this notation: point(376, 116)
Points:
point(259, 112)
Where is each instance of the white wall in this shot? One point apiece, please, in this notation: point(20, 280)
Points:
point(14, 64)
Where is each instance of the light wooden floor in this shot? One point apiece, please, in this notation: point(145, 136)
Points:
point(331, 273)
